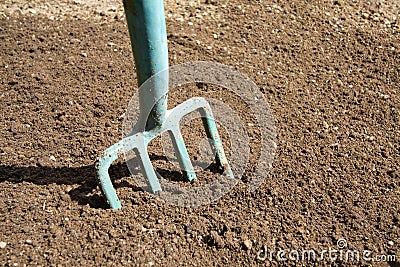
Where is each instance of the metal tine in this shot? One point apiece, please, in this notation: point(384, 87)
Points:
point(137, 143)
point(201, 104)
point(212, 133)
point(147, 168)
point(181, 153)
point(102, 165)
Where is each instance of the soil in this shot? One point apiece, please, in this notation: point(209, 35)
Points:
point(329, 71)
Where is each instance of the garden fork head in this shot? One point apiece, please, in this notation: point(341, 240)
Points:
point(146, 23)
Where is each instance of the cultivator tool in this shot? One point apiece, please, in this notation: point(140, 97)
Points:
point(147, 29)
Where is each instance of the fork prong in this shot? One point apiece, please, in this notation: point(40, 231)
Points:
point(181, 153)
point(212, 133)
point(102, 165)
point(201, 104)
point(147, 168)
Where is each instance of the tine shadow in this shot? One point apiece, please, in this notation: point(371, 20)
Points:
point(158, 157)
point(179, 176)
point(173, 176)
point(87, 193)
point(85, 176)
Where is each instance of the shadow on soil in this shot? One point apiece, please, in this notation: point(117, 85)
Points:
point(85, 176)
point(86, 193)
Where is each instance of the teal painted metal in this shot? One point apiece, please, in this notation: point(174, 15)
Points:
point(147, 29)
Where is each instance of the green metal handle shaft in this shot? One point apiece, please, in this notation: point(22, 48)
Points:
point(147, 29)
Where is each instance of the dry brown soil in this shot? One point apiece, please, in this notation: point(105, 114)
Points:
point(329, 70)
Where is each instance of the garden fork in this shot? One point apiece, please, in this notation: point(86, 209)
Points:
point(147, 29)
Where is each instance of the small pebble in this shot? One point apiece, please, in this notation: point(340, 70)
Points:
point(189, 229)
point(390, 243)
point(216, 239)
point(3, 244)
point(248, 244)
point(365, 15)
point(29, 242)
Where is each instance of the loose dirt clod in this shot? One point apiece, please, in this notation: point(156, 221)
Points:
point(248, 244)
point(216, 239)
